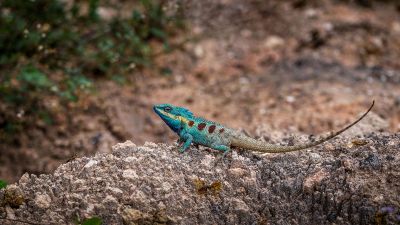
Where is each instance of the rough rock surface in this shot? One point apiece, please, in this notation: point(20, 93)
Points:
point(346, 181)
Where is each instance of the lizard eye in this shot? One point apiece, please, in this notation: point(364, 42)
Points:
point(167, 109)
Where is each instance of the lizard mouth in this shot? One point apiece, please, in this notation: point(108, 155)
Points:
point(157, 109)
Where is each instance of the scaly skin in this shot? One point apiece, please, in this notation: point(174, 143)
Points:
point(192, 129)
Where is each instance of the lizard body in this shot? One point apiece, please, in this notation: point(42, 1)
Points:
point(192, 129)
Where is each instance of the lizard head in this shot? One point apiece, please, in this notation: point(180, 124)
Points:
point(173, 116)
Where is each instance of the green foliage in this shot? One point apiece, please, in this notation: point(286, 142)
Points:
point(25, 33)
point(49, 30)
point(3, 184)
point(93, 5)
point(31, 81)
point(73, 84)
point(166, 71)
point(55, 47)
point(88, 221)
point(23, 94)
point(30, 76)
point(92, 221)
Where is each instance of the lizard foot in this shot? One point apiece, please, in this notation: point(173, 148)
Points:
point(222, 158)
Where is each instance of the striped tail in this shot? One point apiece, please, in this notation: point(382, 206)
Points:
point(259, 146)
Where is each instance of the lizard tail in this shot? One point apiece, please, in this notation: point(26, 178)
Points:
point(255, 145)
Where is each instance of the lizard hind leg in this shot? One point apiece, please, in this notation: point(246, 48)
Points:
point(220, 147)
point(224, 148)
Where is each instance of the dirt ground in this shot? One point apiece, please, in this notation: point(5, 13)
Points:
point(305, 67)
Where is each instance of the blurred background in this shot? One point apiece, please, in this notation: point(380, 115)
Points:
point(77, 77)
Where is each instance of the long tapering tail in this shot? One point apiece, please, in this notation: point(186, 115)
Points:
point(255, 145)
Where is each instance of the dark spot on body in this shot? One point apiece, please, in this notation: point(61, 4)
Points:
point(221, 130)
point(191, 123)
point(201, 126)
point(211, 129)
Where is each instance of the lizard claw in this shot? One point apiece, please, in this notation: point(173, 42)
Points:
point(182, 150)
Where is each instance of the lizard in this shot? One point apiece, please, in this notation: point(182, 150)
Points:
point(197, 130)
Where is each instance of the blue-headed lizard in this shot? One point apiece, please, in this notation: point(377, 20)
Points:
point(192, 129)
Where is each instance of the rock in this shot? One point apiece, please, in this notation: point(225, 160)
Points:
point(372, 122)
point(199, 51)
point(314, 180)
point(42, 201)
point(273, 42)
point(13, 196)
point(133, 217)
point(312, 13)
point(107, 13)
point(155, 184)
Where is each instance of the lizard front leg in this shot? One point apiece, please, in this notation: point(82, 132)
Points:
point(187, 138)
point(179, 141)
